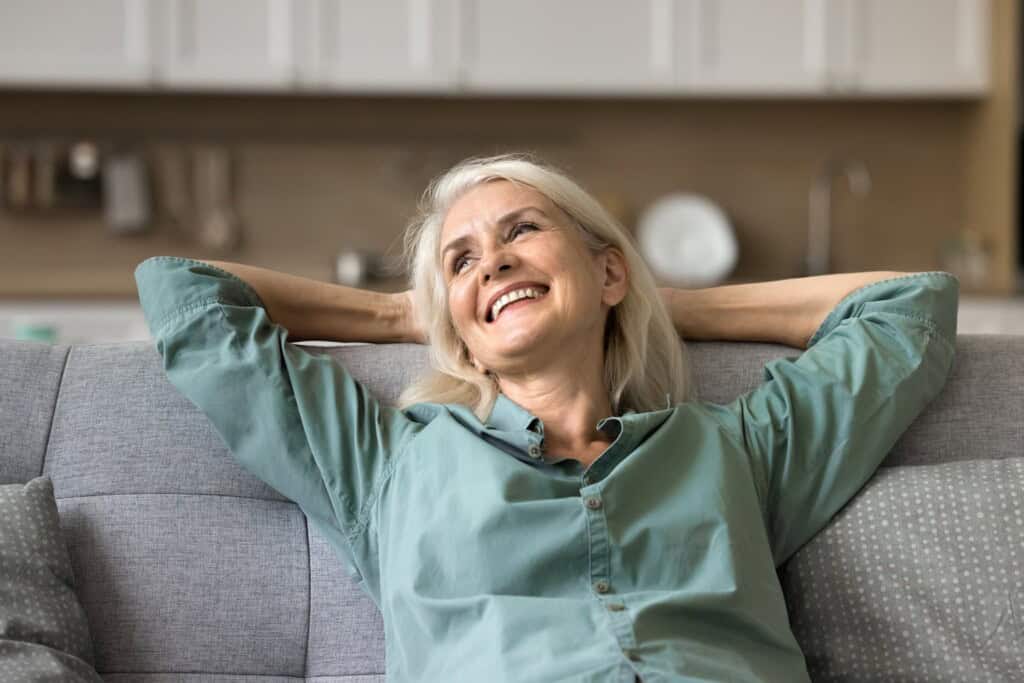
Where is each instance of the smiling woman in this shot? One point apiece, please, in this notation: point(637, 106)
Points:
point(495, 225)
point(551, 504)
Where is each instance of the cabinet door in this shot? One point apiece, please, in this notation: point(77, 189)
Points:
point(911, 47)
point(60, 43)
point(227, 44)
point(570, 46)
point(752, 47)
point(368, 45)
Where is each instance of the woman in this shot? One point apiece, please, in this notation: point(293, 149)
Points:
point(551, 503)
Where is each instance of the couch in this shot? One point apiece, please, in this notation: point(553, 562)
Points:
point(188, 568)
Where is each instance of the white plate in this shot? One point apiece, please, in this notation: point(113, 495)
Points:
point(687, 241)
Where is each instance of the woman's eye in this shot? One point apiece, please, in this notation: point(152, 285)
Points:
point(522, 225)
point(459, 262)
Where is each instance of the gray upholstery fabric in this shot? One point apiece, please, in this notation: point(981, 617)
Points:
point(44, 635)
point(29, 377)
point(190, 569)
point(920, 578)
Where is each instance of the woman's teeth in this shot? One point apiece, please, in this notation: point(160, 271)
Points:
point(513, 296)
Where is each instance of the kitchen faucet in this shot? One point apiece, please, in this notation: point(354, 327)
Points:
point(819, 218)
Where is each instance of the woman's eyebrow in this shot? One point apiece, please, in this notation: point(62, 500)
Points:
point(507, 218)
point(512, 215)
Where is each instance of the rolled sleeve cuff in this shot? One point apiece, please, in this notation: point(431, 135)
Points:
point(932, 297)
point(171, 286)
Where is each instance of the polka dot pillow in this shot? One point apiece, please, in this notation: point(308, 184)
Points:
point(44, 634)
point(919, 578)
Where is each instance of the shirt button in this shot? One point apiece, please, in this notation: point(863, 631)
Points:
point(601, 586)
point(534, 452)
point(616, 607)
point(593, 503)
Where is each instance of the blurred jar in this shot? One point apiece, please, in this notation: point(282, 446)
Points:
point(27, 329)
point(969, 258)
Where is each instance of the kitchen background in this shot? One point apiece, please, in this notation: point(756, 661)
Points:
point(807, 136)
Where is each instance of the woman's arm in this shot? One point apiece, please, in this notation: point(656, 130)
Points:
point(314, 310)
point(781, 311)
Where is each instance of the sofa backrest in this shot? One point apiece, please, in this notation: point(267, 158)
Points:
point(185, 562)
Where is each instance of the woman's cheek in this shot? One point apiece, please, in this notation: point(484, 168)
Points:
point(462, 307)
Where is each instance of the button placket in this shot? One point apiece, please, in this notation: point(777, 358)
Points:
point(600, 571)
point(597, 531)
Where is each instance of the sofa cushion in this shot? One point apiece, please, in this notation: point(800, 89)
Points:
point(44, 634)
point(918, 578)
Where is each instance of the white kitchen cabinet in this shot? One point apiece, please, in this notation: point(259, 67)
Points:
point(911, 47)
point(226, 44)
point(55, 43)
point(609, 48)
point(373, 46)
point(752, 47)
point(573, 46)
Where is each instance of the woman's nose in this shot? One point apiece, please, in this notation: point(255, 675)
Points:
point(499, 261)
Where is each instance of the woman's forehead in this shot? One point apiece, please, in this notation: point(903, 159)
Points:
point(485, 205)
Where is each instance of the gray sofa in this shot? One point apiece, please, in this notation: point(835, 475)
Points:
point(191, 569)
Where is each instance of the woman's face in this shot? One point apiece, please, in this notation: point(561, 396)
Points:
point(500, 235)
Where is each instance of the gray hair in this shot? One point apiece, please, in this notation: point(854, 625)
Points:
point(645, 361)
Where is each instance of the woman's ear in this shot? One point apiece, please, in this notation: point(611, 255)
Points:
point(616, 276)
point(476, 364)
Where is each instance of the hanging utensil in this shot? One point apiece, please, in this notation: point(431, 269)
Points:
point(219, 226)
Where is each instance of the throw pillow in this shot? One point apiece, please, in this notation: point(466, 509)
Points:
point(44, 633)
point(918, 578)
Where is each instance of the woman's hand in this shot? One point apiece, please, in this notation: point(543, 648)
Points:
point(666, 296)
point(668, 299)
point(413, 329)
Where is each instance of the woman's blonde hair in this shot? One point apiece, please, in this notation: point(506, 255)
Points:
point(645, 363)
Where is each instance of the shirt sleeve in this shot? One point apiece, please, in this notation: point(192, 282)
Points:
point(296, 420)
point(820, 424)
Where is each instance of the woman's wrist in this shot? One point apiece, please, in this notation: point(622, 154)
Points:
point(410, 329)
point(667, 296)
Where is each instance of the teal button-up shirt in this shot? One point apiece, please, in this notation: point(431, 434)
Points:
point(491, 562)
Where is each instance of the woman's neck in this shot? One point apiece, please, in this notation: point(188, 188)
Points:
point(570, 405)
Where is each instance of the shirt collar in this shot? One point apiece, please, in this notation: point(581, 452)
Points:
point(512, 424)
point(509, 416)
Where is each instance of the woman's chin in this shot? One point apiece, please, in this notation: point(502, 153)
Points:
point(517, 341)
point(516, 347)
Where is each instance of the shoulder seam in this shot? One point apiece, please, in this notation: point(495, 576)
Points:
point(363, 517)
point(738, 445)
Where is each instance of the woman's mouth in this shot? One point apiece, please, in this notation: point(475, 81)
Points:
point(515, 299)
